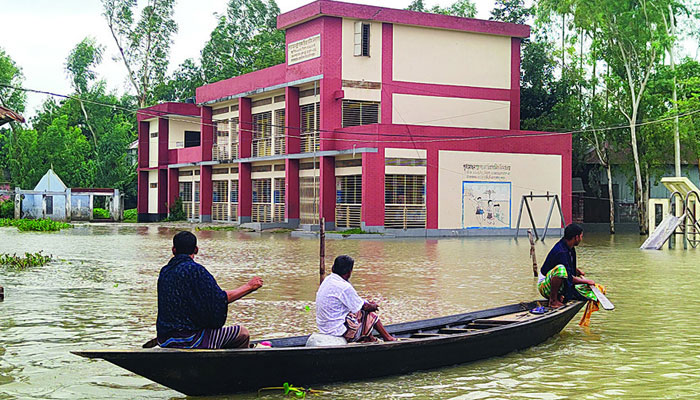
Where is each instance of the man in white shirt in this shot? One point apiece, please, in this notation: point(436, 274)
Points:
point(341, 312)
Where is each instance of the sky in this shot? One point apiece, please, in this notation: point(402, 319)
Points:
point(39, 34)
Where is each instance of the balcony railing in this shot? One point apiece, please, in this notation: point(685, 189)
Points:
point(404, 216)
point(348, 215)
point(220, 212)
point(262, 212)
point(224, 151)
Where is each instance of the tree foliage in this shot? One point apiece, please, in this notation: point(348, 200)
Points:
point(460, 8)
point(144, 44)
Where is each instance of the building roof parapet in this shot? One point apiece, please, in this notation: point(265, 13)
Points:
point(166, 109)
point(395, 16)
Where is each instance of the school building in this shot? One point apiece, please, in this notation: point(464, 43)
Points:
point(380, 119)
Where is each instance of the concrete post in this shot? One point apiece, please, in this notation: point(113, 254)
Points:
point(69, 195)
point(18, 204)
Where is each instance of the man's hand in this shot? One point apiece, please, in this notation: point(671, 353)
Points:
point(255, 283)
point(579, 272)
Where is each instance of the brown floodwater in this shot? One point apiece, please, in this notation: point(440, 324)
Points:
point(102, 293)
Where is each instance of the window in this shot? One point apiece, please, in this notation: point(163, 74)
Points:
point(404, 189)
point(262, 134)
point(154, 134)
point(191, 139)
point(362, 39)
point(49, 205)
point(358, 112)
point(154, 185)
point(310, 123)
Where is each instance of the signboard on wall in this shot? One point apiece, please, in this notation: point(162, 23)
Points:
point(304, 50)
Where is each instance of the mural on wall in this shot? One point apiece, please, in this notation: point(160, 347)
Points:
point(486, 195)
point(485, 204)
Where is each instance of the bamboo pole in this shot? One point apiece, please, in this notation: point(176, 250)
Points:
point(532, 252)
point(322, 252)
point(2, 293)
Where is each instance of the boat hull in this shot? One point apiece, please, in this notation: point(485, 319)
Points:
point(210, 372)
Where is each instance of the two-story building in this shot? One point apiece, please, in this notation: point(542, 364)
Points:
point(379, 118)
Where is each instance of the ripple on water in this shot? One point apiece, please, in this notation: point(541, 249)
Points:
point(102, 291)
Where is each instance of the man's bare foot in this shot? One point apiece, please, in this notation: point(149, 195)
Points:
point(390, 339)
point(556, 304)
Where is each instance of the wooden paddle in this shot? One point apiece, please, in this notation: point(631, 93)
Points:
point(607, 304)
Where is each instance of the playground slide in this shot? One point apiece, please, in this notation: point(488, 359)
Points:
point(662, 232)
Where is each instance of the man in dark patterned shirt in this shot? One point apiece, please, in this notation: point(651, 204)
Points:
point(192, 308)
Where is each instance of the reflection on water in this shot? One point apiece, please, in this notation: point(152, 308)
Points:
point(102, 293)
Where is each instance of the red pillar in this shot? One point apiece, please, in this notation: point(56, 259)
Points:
point(515, 84)
point(173, 186)
point(205, 184)
point(291, 171)
point(142, 196)
point(142, 179)
point(162, 193)
point(327, 191)
point(431, 189)
point(207, 135)
point(205, 193)
point(373, 191)
point(245, 186)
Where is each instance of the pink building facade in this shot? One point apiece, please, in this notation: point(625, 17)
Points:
point(380, 119)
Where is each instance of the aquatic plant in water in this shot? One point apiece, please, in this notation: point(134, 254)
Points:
point(100, 213)
point(130, 215)
point(29, 260)
point(299, 392)
point(37, 225)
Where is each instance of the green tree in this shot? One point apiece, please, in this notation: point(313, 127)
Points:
point(245, 39)
point(461, 8)
point(513, 11)
point(144, 45)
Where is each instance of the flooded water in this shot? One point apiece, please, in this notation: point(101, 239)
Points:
point(102, 293)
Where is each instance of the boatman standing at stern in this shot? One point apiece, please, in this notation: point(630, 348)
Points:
point(561, 280)
point(192, 308)
point(341, 312)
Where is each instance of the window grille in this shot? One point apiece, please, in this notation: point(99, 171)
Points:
point(262, 134)
point(279, 198)
point(308, 200)
point(362, 30)
point(220, 207)
point(154, 185)
point(219, 171)
point(406, 162)
point(234, 199)
point(261, 168)
point(186, 198)
point(310, 123)
point(154, 134)
point(358, 112)
point(404, 197)
point(222, 145)
point(353, 162)
point(280, 139)
point(348, 207)
point(185, 173)
point(262, 201)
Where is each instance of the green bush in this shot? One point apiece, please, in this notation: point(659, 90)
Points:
point(177, 213)
point(100, 213)
point(7, 209)
point(37, 225)
point(130, 215)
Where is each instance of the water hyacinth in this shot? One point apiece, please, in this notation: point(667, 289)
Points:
point(37, 225)
point(29, 260)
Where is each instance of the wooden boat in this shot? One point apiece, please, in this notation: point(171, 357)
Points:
point(424, 344)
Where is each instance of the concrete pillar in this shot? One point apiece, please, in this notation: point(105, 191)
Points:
point(327, 191)
point(144, 138)
point(245, 193)
point(173, 186)
point(291, 170)
point(431, 189)
point(162, 193)
point(373, 191)
point(292, 119)
point(245, 185)
point(18, 204)
point(163, 138)
point(68, 204)
point(142, 197)
point(207, 133)
point(205, 193)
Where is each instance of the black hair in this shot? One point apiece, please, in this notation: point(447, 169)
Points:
point(343, 264)
point(184, 242)
point(572, 230)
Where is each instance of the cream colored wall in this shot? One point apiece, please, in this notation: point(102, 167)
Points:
point(362, 94)
point(438, 56)
point(176, 131)
point(356, 68)
point(153, 144)
point(450, 112)
point(405, 153)
point(152, 192)
point(528, 172)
